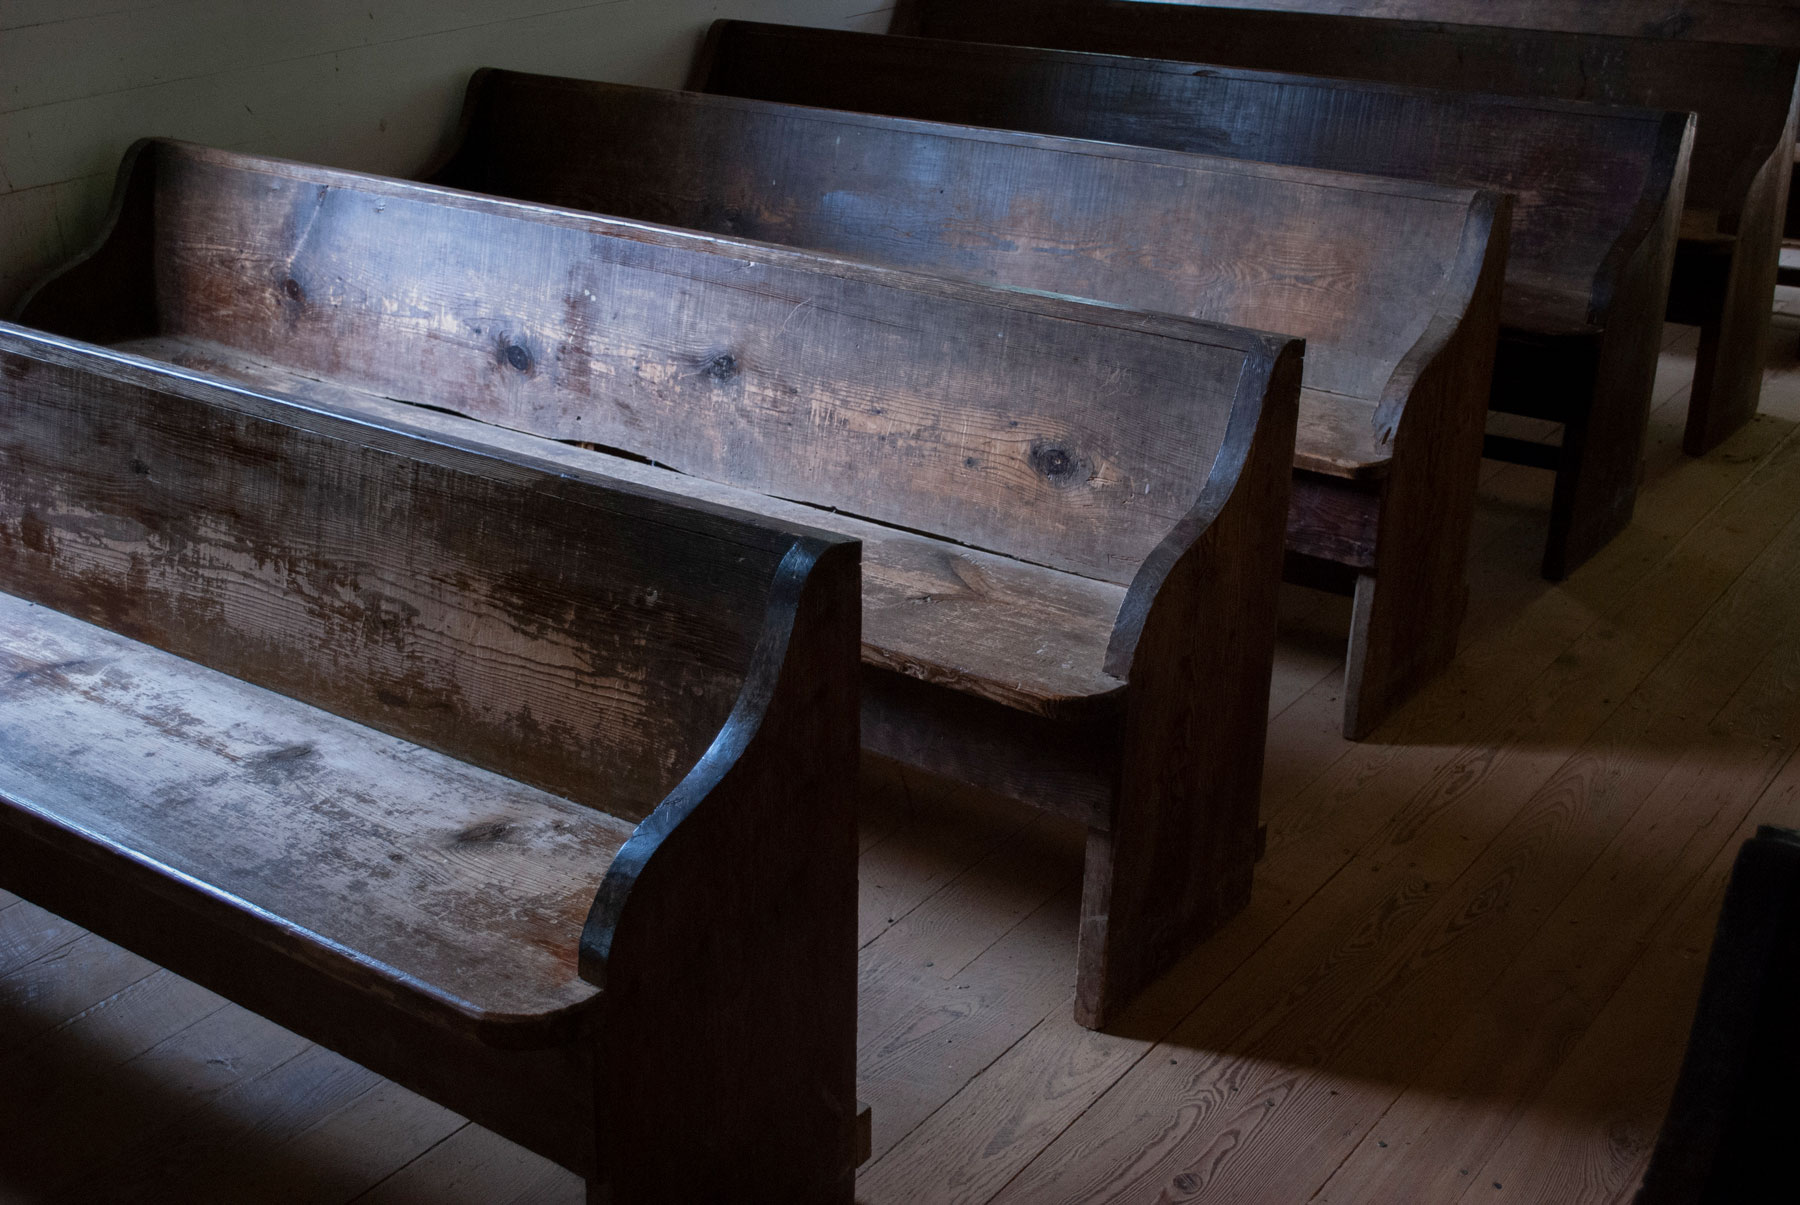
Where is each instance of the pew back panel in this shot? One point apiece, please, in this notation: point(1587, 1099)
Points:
point(1765, 22)
point(1742, 93)
point(1359, 272)
point(1589, 182)
point(1747, 98)
point(705, 356)
point(409, 621)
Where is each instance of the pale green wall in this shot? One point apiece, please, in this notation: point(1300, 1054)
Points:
point(367, 84)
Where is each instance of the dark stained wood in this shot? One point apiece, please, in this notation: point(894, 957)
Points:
point(1725, 1135)
point(1032, 467)
point(1766, 22)
point(436, 643)
point(1362, 271)
point(1790, 229)
point(1746, 97)
point(190, 773)
point(1596, 188)
point(1176, 860)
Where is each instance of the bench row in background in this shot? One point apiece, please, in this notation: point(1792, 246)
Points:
point(1597, 192)
point(1745, 95)
point(1394, 285)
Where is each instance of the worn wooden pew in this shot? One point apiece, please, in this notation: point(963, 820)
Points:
point(1598, 197)
point(1071, 514)
point(1746, 97)
point(529, 789)
point(1391, 284)
point(1767, 22)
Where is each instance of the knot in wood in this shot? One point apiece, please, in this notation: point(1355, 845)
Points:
point(721, 367)
point(517, 357)
point(481, 834)
point(292, 290)
point(1055, 463)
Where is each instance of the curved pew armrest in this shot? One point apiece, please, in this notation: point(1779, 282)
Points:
point(800, 667)
point(1664, 195)
point(107, 292)
point(1490, 222)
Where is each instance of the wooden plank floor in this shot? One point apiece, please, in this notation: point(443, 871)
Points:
point(1466, 973)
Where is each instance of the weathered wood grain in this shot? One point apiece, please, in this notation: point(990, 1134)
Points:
point(618, 334)
point(1378, 278)
point(1355, 271)
point(978, 1066)
point(1021, 635)
point(1767, 22)
point(467, 933)
point(158, 514)
point(1747, 98)
point(904, 392)
point(237, 798)
point(1595, 190)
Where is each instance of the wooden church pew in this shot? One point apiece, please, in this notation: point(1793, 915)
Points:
point(504, 779)
point(1071, 514)
point(1392, 285)
point(1598, 194)
point(1745, 95)
point(1765, 22)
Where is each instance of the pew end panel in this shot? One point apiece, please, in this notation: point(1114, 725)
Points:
point(1601, 464)
point(705, 1022)
point(1195, 639)
point(1724, 1136)
point(1735, 326)
point(1407, 611)
point(224, 613)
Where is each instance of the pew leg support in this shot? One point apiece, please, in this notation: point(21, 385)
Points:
point(1143, 907)
point(1597, 479)
point(1727, 374)
point(1403, 630)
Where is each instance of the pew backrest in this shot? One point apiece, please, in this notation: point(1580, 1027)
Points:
point(1743, 94)
point(1065, 433)
point(580, 635)
point(1589, 182)
point(1368, 272)
point(1768, 22)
